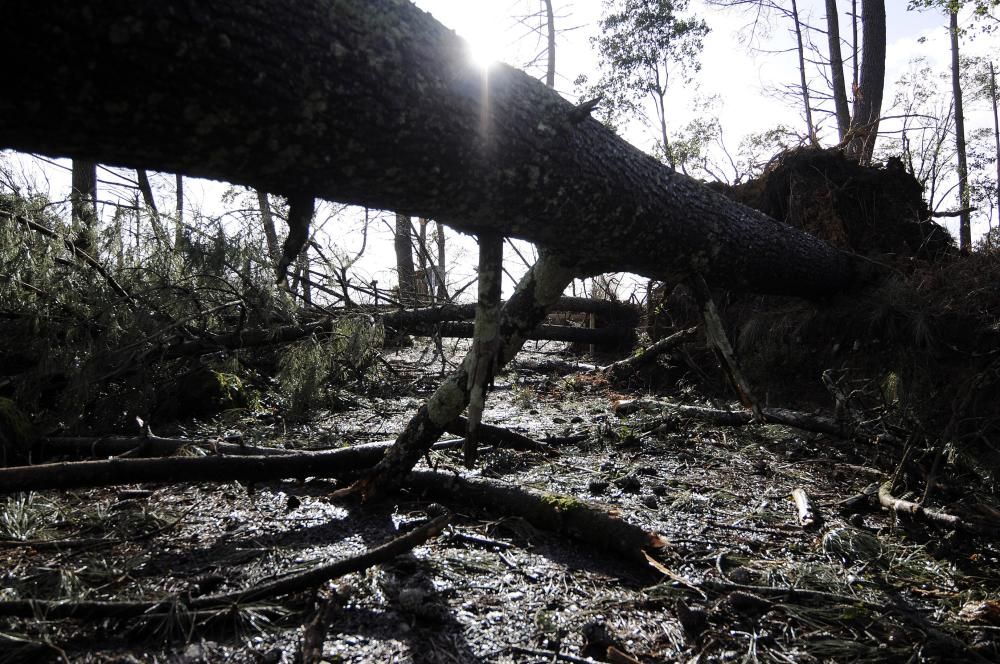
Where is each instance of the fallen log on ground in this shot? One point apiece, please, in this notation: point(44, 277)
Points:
point(100, 447)
point(152, 463)
point(446, 320)
point(601, 527)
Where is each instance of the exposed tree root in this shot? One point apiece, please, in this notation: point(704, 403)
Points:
point(290, 583)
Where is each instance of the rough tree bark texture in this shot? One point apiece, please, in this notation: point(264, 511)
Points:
point(374, 102)
point(837, 83)
point(403, 244)
point(868, 96)
point(964, 224)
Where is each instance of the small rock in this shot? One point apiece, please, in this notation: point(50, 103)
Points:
point(650, 502)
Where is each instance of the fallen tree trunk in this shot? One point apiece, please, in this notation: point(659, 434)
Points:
point(374, 102)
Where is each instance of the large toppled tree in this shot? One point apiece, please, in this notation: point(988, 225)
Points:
point(374, 102)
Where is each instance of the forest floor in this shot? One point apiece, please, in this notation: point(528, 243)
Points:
point(739, 579)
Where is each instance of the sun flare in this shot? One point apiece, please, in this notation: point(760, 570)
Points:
point(484, 45)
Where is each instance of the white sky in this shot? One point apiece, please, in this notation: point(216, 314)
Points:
point(729, 69)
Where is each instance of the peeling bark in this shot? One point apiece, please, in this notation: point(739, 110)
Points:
point(374, 102)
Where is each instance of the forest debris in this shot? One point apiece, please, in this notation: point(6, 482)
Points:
point(250, 464)
point(917, 512)
point(537, 291)
point(807, 517)
point(596, 525)
point(646, 356)
point(983, 612)
point(851, 545)
point(289, 583)
point(715, 333)
point(500, 437)
point(314, 633)
point(66, 475)
point(149, 445)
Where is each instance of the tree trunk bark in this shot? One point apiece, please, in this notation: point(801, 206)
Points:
point(868, 96)
point(550, 23)
point(179, 211)
point(439, 268)
point(270, 232)
point(375, 103)
point(536, 293)
point(403, 243)
point(803, 83)
point(996, 140)
point(837, 70)
point(83, 197)
point(964, 225)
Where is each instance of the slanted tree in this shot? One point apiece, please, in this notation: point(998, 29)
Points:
point(146, 190)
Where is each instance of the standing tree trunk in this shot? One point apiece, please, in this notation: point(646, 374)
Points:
point(179, 212)
point(83, 197)
point(550, 21)
point(996, 136)
point(403, 243)
point(868, 96)
point(837, 70)
point(439, 268)
point(856, 51)
point(316, 109)
point(803, 83)
point(964, 225)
